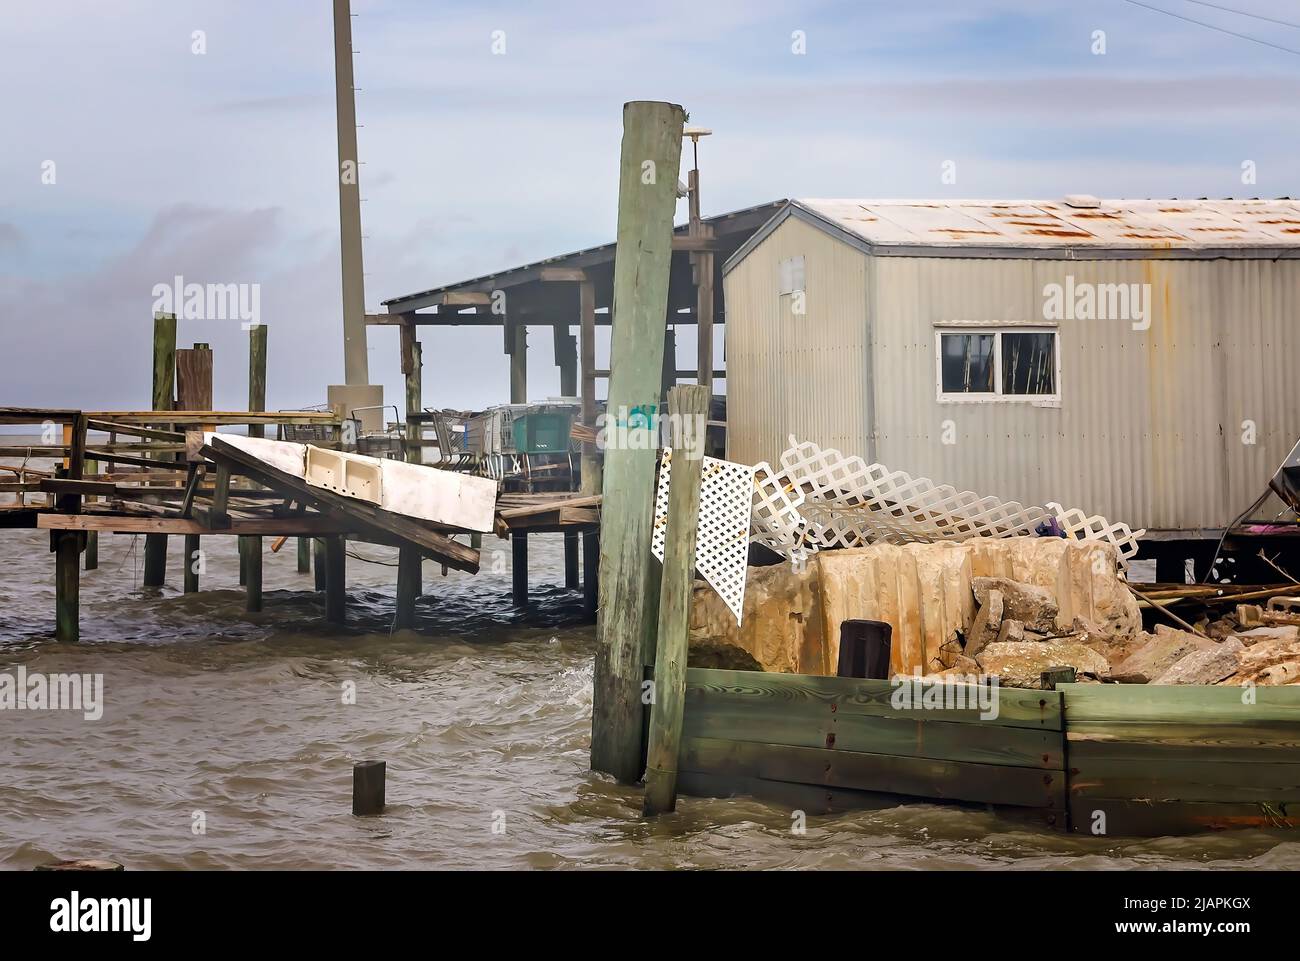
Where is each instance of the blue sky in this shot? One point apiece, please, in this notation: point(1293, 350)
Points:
point(220, 167)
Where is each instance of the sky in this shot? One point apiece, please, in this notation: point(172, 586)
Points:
point(489, 137)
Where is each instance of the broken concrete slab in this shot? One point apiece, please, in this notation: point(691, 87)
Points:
point(1164, 649)
point(1022, 664)
point(781, 629)
point(1034, 607)
point(988, 622)
point(1206, 665)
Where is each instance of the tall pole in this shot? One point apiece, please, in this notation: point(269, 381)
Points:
point(629, 598)
point(356, 367)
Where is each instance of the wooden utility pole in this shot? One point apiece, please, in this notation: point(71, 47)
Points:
point(356, 363)
point(164, 393)
point(647, 196)
point(678, 580)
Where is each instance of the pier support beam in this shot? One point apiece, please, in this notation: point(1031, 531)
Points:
point(591, 479)
point(590, 567)
point(304, 555)
point(252, 548)
point(519, 568)
point(155, 560)
point(625, 629)
point(318, 559)
point(517, 341)
point(571, 560)
point(192, 555)
point(336, 591)
point(67, 586)
point(90, 559)
point(409, 585)
point(257, 375)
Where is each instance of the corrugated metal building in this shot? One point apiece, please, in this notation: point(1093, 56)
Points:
point(1137, 359)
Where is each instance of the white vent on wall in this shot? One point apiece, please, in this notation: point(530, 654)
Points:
point(792, 275)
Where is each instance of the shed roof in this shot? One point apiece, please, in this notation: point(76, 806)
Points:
point(1053, 228)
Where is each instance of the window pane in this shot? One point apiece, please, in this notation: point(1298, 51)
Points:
point(967, 363)
point(1028, 363)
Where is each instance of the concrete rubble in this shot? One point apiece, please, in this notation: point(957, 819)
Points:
point(1014, 607)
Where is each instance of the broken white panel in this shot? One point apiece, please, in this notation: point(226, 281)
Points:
point(281, 454)
point(352, 475)
point(442, 496)
point(722, 543)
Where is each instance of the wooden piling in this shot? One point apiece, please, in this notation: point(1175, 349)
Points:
point(253, 571)
point(368, 788)
point(164, 398)
point(409, 585)
point(335, 579)
point(67, 586)
point(590, 577)
point(519, 568)
point(192, 555)
point(674, 608)
point(518, 333)
point(318, 561)
point(90, 559)
point(304, 555)
point(651, 152)
point(571, 560)
point(256, 375)
point(591, 474)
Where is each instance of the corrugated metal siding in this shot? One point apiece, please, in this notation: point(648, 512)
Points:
point(1149, 430)
point(786, 373)
point(1149, 427)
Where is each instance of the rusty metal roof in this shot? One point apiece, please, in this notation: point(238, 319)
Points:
point(1038, 223)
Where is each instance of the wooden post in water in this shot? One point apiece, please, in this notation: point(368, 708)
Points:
point(675, 604)
point(571, 559)
point(304, 555)
point(336, 590)
point(590, 577)
point(253, 571)
point(519, 568)
point(318, 559)
point(368, 788)
point(67, 586)
point(409, 560)
point(651, 155)
point(192, 556)
point(164, 398)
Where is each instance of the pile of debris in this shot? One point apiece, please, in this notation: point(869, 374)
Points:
point(1015, 635)
point(1014, 607)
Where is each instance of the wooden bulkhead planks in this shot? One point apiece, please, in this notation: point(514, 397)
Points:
point(1147, 759)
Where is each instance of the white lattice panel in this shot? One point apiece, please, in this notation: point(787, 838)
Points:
point(722, 543)
point(821, 498)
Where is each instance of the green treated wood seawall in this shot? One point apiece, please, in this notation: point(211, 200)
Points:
point(1098, 759)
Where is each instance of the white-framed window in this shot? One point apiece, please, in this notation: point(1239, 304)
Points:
point(978, 364)
point(792, 275)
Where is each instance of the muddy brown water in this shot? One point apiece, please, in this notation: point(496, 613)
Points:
point(484, 722)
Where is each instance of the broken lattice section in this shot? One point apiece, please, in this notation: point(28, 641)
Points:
point(821, 498)
point(722, 543)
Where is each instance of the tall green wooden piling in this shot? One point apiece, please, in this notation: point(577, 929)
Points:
point(164, 398)
point(336, 591)
point(668, 705)
point(304, 555)
point(651, 155)
point(256, 375)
